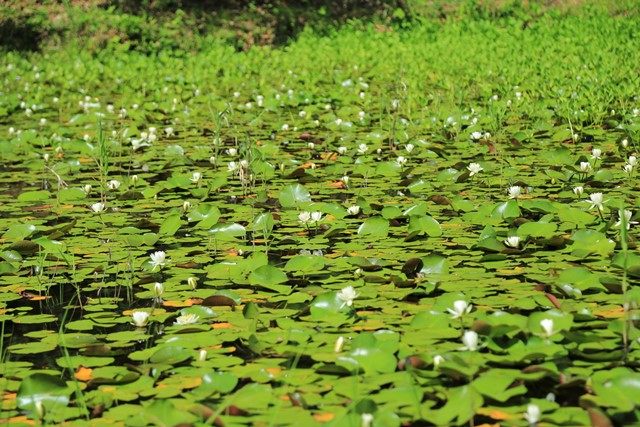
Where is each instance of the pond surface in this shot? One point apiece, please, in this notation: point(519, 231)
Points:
point(356, 226)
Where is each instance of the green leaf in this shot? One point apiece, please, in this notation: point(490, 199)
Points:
point(171, 225)
point(263, 224)
point(228, 231)
point(424, 224)
point(375, 226)
point(462, 404)
point(17, 232)
point(170, 355)
point(293, 195)
point(206, 214)
point(44, 390)
point(269, 277)
point(305, 263)
point(537, 229)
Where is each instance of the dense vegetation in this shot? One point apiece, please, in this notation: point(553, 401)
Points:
point(426, 221)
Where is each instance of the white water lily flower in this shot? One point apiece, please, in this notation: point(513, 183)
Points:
point(158, 259)
point(192, 282)
point(624, 143)
point(342, 150)
point(437, 360)
point(366, 420)
point(632, 160)
point(304, 217)
point(158, 289)
point(585, 167)
point(140, 318)
point(474, 168)
point(337, 347)
point(232, 151)
point(627, 216)
point(547, 327)
point(316, 216)
point(409, 148)
point(596, 153)
point(98, 207)
point(196, 177)
point(401, 160)
point(345, 179)
point(169, 131)
point(353, 210)
point(138, 144)
point(362, 148)
point(596, 200)
point(512, 241)
point(347, 295)
point(232, 166)
point(628, 168)
point(514, 191)
point(187, 319)
point(114, 184)
point(202, 355)
point(533, 414)
point(470, 340)
point(578, 190)
point(460, 308)
point(476, 136)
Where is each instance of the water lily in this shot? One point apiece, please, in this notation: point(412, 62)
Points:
point(337, 347)
point(304, 217)
point(470, 340)
point(596, 153)
point(87, 189)
point(627, 216)
point(512, 241)
point(632, 160)
point(158, 259)
point(578, 190)
point(192, 282)
point(114, 184)
point(409, 148)
point(187, 319)
point(316, 216)
point(202, 355)
point(474, 168)
point(140, 318)
point(585, 167)
point(232, 166)
point(401, 161)
point(460, 308)
point(596, 200)
point(169, 131)
point(98, 207)
point(158, 289)
point(366, 420)
point(547, 327)
point(347, 295)
point(476, 136)
point(533, 414)
point(362, 148)
point(342, 150)
point(514, 191)
point(196, 177)
point(353, 210)
point(628, 169)
point(437, 360)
